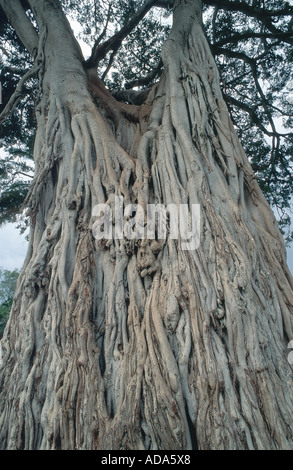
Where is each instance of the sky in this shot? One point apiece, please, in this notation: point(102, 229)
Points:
point(13, 248)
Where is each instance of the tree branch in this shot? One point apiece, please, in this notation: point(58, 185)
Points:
point(144, 81)
point(249, 10)
point(214, 20)
point(253, 116)
point(249, 34)
point(99, 52)
point(14, 70)
point(21, 173)
point(114, 52)
point(22, 25)
point(265, 16)
point(15, 97)
point(264, 101)
point(164, 4)
point(5, 52)
point(131, 96)
point(103, 33)
point(235, 55)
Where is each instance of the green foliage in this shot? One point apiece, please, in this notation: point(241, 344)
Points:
point(253, 57)
point(17, 132)
point(138, 54)
point(4, 315)
point(7, 287)
point(19, 129)
point(11, 200)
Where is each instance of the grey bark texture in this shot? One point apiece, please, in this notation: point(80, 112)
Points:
point(136, 344)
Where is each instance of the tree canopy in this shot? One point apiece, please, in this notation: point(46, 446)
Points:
point(252, 45)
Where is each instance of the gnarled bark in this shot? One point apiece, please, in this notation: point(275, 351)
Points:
point(121, 345)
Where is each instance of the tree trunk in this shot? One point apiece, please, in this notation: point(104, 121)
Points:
point(133, 344)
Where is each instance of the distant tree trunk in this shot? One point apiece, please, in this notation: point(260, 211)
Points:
point(136, 344)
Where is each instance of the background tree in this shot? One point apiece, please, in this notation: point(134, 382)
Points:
point(7, 288)
point(138, 344)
